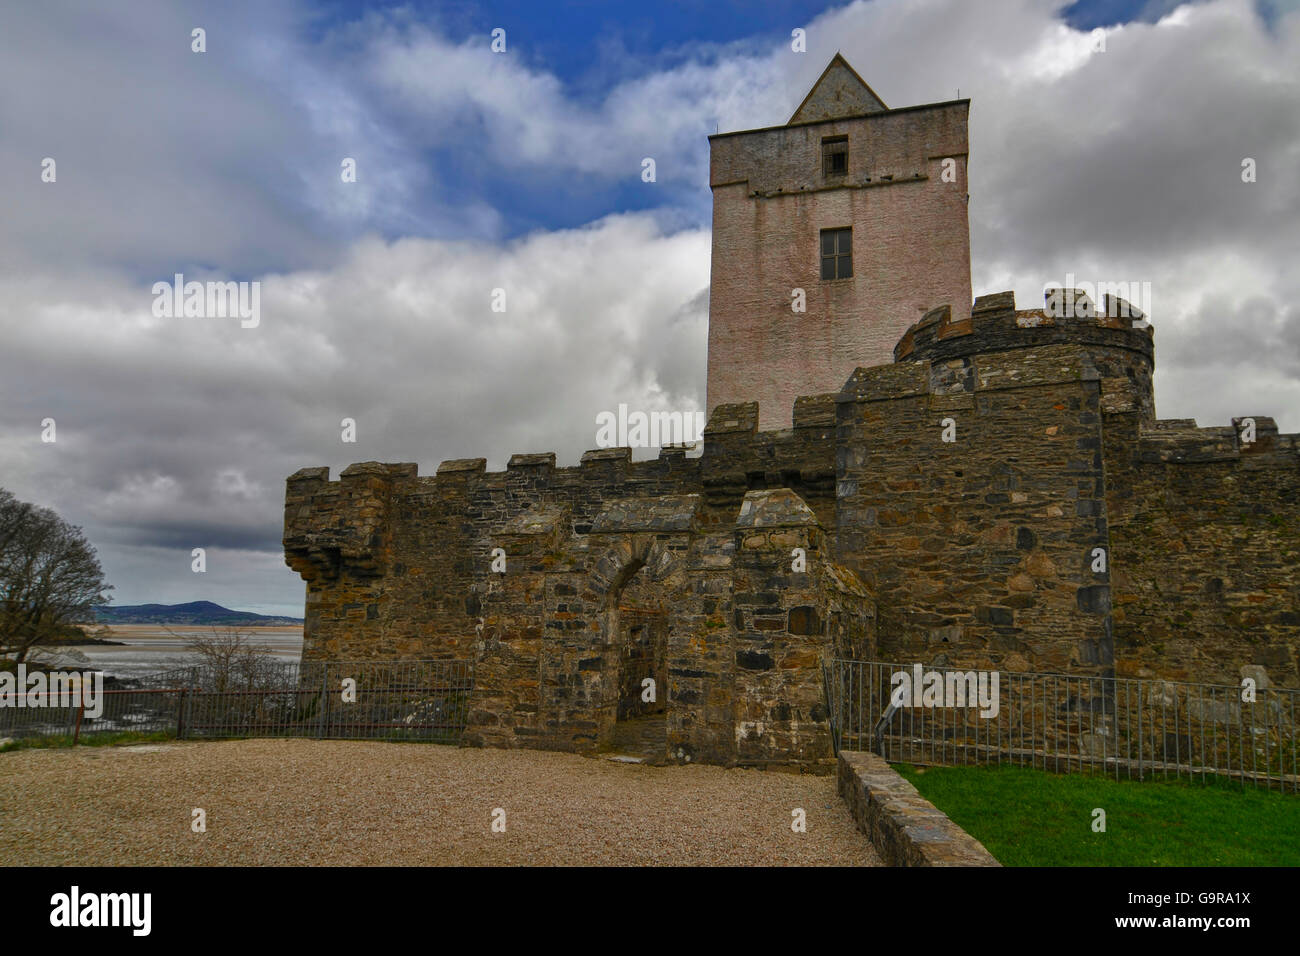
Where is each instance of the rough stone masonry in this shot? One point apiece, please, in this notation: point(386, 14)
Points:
point(947, 507)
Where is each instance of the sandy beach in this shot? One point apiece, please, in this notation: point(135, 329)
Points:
point(147, 648)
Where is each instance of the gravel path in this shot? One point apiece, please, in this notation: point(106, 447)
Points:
point(361, 803)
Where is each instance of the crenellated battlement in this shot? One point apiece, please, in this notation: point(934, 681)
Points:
point(330, 525)
point(370, 476)
point(995, 325)
point(1117, 339)
point(1252, 439)
point(922, 366)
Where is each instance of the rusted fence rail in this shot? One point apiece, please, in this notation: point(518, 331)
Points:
point(390, 700)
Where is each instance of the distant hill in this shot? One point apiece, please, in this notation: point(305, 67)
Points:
point(196, 612)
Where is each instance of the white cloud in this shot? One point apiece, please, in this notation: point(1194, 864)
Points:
point(180, 431)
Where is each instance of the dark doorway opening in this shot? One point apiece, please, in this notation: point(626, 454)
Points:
point(641, 708)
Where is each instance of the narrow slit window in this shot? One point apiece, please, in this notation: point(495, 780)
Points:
point(837, 253)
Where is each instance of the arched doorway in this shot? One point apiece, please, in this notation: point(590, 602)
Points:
point(641, 712)
point(636, 629)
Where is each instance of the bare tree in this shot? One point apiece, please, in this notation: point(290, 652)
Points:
point(229, 660)
point(50, 577)
point(230, 665)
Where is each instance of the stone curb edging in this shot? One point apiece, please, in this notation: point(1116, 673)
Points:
point(904, 827)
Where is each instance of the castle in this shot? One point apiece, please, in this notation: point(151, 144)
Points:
point(888, 475)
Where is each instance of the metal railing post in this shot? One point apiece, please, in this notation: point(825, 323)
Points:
point(324, 700)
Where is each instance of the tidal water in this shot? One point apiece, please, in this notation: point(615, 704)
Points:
point(147, 649)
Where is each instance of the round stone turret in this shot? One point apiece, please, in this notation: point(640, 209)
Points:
point(1117, 336)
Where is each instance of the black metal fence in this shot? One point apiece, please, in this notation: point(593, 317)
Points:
point(1123, 727)
point(149, 706)
point(389, 700)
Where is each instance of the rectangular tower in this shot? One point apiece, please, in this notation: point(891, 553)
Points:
point(856, 212)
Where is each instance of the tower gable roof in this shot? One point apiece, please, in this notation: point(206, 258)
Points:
point(839, 92)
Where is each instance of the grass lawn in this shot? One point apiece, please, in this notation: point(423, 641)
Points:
point(1035, 818)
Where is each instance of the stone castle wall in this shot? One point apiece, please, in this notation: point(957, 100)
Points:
point(980, 551)
point(1206, 536)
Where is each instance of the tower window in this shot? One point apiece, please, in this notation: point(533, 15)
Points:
point(837, 253)
point(835, 156)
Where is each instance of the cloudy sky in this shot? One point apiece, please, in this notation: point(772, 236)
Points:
point(521, 170)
